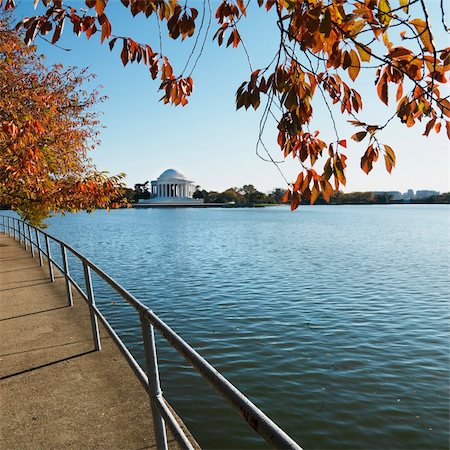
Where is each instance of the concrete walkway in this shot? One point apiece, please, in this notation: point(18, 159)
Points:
point(55, 391)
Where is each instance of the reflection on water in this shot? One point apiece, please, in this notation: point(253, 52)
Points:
point(333, 320)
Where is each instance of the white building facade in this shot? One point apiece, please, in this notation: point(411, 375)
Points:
point(172, 187)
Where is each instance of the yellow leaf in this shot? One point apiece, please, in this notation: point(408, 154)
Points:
point(364, 53)
point(384, 12)
point(405, 5)
point(355, 67)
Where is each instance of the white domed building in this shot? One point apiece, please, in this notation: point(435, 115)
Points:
point(172, 188)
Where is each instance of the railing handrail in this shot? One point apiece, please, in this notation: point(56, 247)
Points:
point(261, 423)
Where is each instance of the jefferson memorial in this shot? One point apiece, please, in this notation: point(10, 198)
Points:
point(172, 188)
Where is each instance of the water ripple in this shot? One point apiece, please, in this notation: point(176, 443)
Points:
point(335, 320)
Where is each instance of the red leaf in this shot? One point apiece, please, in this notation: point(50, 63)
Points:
point(382, 88)
point(124, 53)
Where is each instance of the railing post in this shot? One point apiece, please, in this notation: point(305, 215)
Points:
point(3, 224)
point(66, 273)
point(24, 236)
point(31, 240)
point(49, 259)
point(90, 295)
point(19, 232)
point(9, 227)
point(154, 388)
point(38, 243)
point(14, 228)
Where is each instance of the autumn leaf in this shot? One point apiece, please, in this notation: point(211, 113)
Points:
point(405, 5)
point(364, 52)
point(100, 6)
point(389, 158)
point(49, 169)
point(295, 201)
point(382, 88)
point(325, 40)
point(355, 66)
point(286, 196)
point(241, 6)
point(106, 27)
point(358, 137)
point(124, 52)
point(423, 32)
point(384, 12)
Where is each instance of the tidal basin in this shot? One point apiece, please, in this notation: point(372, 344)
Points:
point(333, 320)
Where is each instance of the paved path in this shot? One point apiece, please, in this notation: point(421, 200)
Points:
point(55, 390)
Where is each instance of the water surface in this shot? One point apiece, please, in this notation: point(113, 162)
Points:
point(334, 320)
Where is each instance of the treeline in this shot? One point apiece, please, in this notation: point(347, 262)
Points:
point(371, 198)
point(248, 195)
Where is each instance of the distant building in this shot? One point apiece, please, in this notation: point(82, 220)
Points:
point(409, 195)
point(172, 187)
point(425, 193)
point(391, 195)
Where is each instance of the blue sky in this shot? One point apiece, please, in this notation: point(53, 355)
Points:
point(208, 140)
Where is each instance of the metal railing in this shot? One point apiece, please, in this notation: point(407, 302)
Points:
point(162, 414)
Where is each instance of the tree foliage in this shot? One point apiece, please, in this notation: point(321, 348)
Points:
point(46, 130)
point(323, 47)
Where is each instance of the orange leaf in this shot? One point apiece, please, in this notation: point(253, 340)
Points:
point(106, 29)
point(424, 33)
point(327, 190)
point(100, 6)
point(241, 6)
point(314, 194)
point(286, 196)
point(389, 158)
point(295, 201)
point(399, 92)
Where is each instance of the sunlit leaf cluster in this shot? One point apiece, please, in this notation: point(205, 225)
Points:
point(47, 128)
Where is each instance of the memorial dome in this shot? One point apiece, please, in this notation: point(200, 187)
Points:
point(172, 188)
point(170, 174)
